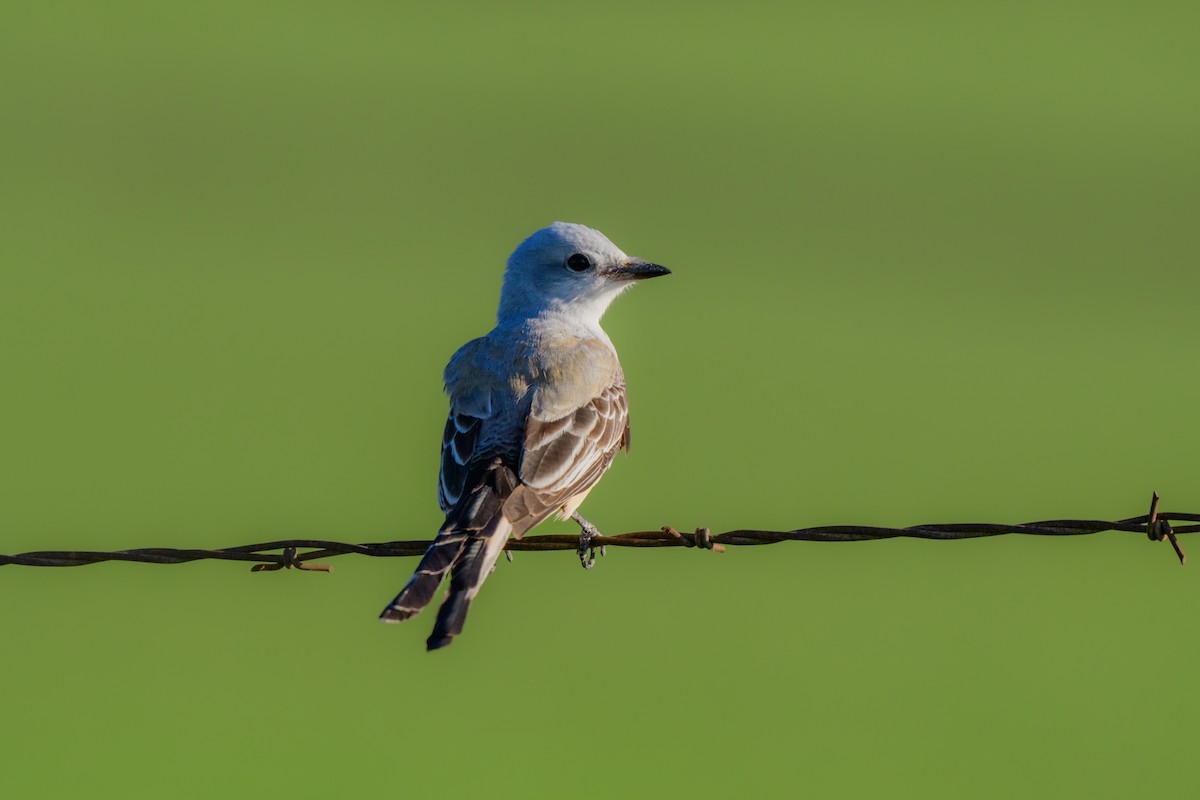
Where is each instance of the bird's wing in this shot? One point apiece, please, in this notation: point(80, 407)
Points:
point(478, 473)
point(458, 449)
point(480, 411)
point(564, 454)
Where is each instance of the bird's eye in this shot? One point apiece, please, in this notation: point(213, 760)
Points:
point(578, 262)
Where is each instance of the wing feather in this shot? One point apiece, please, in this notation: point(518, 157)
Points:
point(564, 457)
point(458, 451)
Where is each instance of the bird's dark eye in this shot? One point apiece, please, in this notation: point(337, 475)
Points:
point(578, 262)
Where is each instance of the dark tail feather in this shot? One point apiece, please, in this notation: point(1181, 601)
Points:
point(445, 551)
point(467, 575)
point(467, 547)
point(453, 613)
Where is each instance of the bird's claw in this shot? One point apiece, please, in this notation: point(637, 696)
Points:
point(585, 551)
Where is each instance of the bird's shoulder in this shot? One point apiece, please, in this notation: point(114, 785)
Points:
point(476, 378)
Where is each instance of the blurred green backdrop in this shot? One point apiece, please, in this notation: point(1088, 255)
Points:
point(934, 262)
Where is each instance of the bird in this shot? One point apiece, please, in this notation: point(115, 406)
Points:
point(538, 412)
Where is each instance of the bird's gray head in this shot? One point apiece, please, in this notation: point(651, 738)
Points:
point(570, 269)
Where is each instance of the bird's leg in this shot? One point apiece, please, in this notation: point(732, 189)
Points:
point(587, 532)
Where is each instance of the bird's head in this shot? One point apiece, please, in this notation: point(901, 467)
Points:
point(571, 269)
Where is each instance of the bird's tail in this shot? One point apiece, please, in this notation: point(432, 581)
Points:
point(469, 558)
point(466, 577)
point(467, 547)
point(447, 549)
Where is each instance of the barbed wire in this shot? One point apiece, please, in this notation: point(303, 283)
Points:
point(1155, 525)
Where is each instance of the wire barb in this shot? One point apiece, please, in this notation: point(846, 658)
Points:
point(1157, 529)
point(1156, 525)
point(289, 561)
point(702, 538)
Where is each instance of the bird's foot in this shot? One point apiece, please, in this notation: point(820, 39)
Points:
point(587, 532)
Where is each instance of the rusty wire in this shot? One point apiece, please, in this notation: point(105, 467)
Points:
point(1155, 525)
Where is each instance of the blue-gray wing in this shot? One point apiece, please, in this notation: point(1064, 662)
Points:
point(458, 449)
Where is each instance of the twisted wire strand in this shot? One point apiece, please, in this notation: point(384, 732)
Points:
point(1155, 525)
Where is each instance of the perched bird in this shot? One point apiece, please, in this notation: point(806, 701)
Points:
point(537, 414)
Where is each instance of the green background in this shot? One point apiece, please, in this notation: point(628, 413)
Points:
point(933, 263)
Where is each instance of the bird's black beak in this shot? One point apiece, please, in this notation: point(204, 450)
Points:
point(637, 270)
